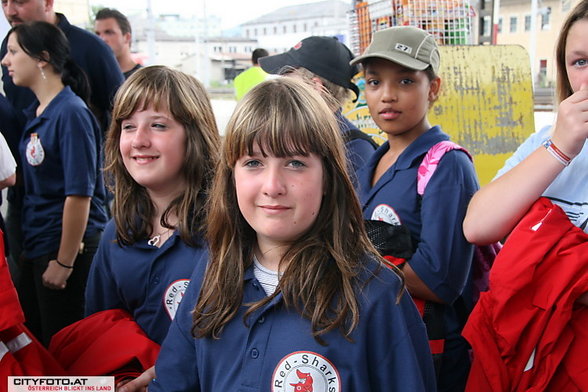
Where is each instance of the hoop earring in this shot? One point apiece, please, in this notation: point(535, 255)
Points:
point(42, 73)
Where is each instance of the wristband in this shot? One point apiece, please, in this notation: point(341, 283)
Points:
point(63, 265)
point(556, 152)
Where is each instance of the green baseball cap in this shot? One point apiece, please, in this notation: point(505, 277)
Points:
point(409, 46)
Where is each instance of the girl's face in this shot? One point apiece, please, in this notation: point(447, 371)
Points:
point(152, 145)
point(22, 68)
point(577, 55)
point(280, 198)
point(398, 98)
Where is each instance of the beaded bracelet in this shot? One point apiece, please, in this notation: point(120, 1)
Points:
point(64, 265)
point(557, 153)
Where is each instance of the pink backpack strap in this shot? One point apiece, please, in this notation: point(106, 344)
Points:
point(431, 161)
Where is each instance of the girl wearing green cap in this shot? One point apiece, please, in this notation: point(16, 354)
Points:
point(401, 68)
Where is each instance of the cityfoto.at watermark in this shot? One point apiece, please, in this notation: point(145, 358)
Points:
point(47, 383)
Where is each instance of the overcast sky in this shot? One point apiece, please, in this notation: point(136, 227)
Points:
point(232, 12)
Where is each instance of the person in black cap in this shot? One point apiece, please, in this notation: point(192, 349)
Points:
point(324, 61)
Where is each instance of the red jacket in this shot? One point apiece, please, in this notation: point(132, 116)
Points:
point(526, 332)
point(11, 313)
point(105, 343)
point(32, 357)
point(20, 353)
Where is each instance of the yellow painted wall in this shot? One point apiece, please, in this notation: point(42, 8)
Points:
point(486, 103)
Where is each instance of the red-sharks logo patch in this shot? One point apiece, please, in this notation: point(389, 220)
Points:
point(305, 383)
point(385, 213)
point(35, 152)
point(173, 296)
point(305, 371)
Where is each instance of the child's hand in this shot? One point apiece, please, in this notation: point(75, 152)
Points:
point(139, 384)
point(571, 127)
point(55, 276)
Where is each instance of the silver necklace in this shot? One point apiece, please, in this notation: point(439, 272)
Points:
point(153, 241)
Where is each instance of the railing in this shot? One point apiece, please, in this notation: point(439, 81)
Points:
point(544, 99)
point(449, 21)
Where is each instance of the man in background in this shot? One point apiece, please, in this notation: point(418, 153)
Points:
point(114, 28)
point(87, 50)
point(251, 77)
point(324, 63)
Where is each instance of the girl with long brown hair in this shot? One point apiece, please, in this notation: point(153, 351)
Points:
point(160, 153)
point(294, 296)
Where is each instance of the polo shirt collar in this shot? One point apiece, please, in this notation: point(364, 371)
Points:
point(62, 21)
point(50, 109)
point(414, 151)
point(420, 146)
point(249, 276)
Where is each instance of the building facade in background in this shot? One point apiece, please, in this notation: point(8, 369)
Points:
point(198, 46)
point(216, 57)
point(514, 27)
point(278, 31)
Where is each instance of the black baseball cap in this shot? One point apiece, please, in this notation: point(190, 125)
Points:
point(323, 56)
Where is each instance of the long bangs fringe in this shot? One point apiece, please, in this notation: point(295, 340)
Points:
point(283, 128)
point(285, 122)
point(139, 98)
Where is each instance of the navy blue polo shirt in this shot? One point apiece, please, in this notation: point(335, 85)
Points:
point(275, 351)
point(60, 155)
point(147, 281)
point(443, 256)
point(92, 55)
